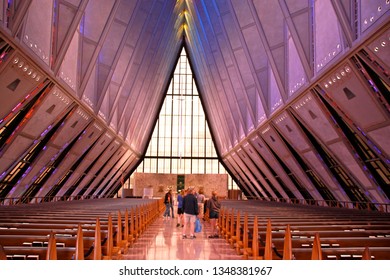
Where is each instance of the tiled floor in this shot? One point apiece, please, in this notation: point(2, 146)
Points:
point(163, 241)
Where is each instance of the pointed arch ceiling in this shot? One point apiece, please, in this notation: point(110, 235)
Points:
point(252, 59)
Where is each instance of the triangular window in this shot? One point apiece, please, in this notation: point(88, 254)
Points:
point(181, 142)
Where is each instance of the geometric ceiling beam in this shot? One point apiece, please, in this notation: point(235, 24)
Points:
point(58, 57)
point(344, 22)
point(252, 170)
point(98, 46)
point(208, 72)
point(243, 173)
point(16, 17)
point(151, 88)
point(225, 71)
point(131, 24)
point(166, 47)
point(130, 68)
point(256, 83)
point(246, 27)
point(203, 74)
point(116, 60)
point(146, 36)
point(268, 51)
point(305, 59)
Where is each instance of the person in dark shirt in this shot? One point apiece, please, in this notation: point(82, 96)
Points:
point(214, 206)
point(190, 209)
point(180, 198)
point(168, 202)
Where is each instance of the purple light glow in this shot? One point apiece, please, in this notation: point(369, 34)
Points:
point(16, 107)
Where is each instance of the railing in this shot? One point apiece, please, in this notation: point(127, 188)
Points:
point(374, 206)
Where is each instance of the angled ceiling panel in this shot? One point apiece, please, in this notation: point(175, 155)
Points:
point(37, 31)
point(114, 60)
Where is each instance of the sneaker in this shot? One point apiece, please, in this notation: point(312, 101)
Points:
point(211, 236)
point(192, 236)
point(184, 236)
point(178, 225)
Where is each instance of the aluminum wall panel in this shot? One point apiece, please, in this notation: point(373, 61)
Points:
point(346, 158)
point(15, 150)
point(256, 174)
point(252, 153)
point(114, 174)
point(102, 144)
point(126, 169)
point(35, 127)
point(380, 48)
point(323, 172)
point(37, 167)
point(63, 136)
point(381, 137)
point(72, 126)
point(291, 132)
point(101, 161)
point(60, 171)
point(92, 132)
point(109, 166)
point(352, 94)
point(311, 113)
point(273, 140)
point(52, 105)
point(17, 80)
point(230, 163)
point(260, 146)
point(320, 125)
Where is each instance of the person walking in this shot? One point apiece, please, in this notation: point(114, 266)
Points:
point(167, 202)
point(180, 197)
point(214, 206)
point(201, 198)
point(191, 211)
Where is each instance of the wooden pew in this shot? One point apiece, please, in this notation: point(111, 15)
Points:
point(346, 231)
point(66, 222)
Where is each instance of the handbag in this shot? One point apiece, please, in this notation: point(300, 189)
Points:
point(198, 225)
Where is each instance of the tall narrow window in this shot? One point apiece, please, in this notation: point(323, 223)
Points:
point(181, 142)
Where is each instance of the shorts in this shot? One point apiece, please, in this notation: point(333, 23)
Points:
point(188, 218)
point(180, 211)
point(213, 215)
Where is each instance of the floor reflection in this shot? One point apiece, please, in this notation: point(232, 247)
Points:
point(163, 241)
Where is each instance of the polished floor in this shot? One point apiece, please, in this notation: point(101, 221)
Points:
point(163, 241)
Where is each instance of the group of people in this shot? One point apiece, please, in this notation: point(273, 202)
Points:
point(190, 207)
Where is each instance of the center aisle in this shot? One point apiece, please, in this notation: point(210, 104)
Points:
point(163, 241)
